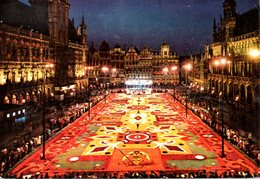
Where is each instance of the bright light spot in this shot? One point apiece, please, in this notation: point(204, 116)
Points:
point(139, 82)
point(114, 70)
point(254, 53)
point(223, 61)
point(199, 157)
point(74, 159)
point(165, 70)
point(174, 68)
point(104, 69)
point(216, 62)
point(188, 67)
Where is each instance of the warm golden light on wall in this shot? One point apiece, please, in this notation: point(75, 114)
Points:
point(165, 70)
point(254, 53)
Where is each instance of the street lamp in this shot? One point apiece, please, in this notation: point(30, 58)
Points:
point(255, 58)
point(187, 67)
point(222, 62)
point(114, 74)
point(174, 68)
point(48, 66)
point(88, 89)
point(105, 70)
point(165, 71)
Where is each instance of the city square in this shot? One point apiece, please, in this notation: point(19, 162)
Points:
point(129, 89)
point(145, 132)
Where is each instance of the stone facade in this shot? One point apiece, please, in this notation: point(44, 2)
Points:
point(43, 55)
point(233, 38)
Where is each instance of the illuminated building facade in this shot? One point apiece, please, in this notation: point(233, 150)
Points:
point(149, 65)
point(41, 52)
point(235, 37)
point(132, 64)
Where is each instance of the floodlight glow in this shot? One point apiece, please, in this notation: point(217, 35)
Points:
point(173, 68)
point(254, 53)
point(216, 62)
point(165, 70)
point(139, 82)
point(104, 69)
point(223, 61)
point(188, 67)
point(114, 70)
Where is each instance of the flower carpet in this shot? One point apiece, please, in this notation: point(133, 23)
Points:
point(136, 133)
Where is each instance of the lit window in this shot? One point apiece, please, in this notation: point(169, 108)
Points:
point(19, 112)
point(13, 113)
point(8, 115)
point(23, 110)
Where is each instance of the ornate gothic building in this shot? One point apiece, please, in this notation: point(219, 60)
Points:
point(41, 52)
point(235, 36)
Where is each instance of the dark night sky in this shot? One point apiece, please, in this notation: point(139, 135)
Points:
point(185, 24)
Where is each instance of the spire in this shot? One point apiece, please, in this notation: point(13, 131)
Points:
point(218, 26)
point(214, 26)
point(73, 22)
point(83, 31)
point(83, 21)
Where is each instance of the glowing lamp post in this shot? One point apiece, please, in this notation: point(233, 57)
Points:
point(187, 68)
point(222, 63)
point(48, 66)
point(174, 69)
point(113, 70)
point(105, 70)
point(165, 71)
point(255, 57)
point(88, 90)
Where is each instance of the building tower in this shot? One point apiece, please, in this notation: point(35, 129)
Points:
point(165, 50)
point(83, 29)
point(229, 21)
point(56, 14)
point(229, 9)
point(215, 33)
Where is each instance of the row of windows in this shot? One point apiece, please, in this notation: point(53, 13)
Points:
point(26, 76)
point(13, 52)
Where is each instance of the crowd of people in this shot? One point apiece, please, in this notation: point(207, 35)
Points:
point(10, 156)
point(61, 116)
point(143, 174)
point(211, 116)
point(65, 114)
